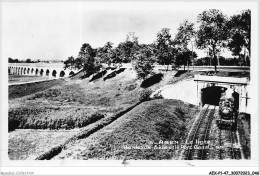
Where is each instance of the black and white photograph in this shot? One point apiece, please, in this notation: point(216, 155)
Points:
point(171, 82)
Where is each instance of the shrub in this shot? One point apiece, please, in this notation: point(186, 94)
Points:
point(144, 95)
point(179, 112)
point(180, 72)
point(143, 63)
point(131, 87)
point(165, 129)
point(158, 95)
point(13, 124)
point(152, 80)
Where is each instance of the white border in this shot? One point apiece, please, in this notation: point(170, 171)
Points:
point(179, 165)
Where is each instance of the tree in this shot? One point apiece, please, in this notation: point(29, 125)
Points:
point(69, 63)
point(240, 34)
point(212, 33)
point(108, 52)
point(100, 55)
point(10, 60)
point(86, 60)
point(127, 49)
point(184, 57)
point(78, 63)
point(116, 56)
point(28, 60)
point(164, 48)
point(235, 45)
point(143, 62)
point(184, 37)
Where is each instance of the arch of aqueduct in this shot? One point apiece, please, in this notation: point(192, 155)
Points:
point(48, 71)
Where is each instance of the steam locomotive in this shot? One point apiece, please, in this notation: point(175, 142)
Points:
point(228, 111)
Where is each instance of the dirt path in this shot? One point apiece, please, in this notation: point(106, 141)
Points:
point(27, 82)
point(185, 90)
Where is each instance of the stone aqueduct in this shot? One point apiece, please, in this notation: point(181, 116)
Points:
point(53, 72)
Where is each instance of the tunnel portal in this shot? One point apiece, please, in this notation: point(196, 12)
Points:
point(211, 95)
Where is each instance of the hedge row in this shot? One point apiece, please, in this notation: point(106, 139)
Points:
point(25, 118)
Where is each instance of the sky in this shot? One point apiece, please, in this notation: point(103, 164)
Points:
point(56, 30)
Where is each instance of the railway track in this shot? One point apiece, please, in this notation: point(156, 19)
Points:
point(197, 147)
point(228, 139)
point(207, 142)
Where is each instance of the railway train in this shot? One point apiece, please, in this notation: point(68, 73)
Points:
point(228, 110)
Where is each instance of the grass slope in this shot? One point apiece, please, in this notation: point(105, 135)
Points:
point(17, 91)
point(27, 144)
point(244, 130)
point(76, 98)
point(74, 102)
point(151, 121)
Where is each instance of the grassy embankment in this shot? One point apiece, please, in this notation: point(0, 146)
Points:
point(29, 143)
point(145, 125)
point(67, 105)
point(18, 91)
point(244, 131)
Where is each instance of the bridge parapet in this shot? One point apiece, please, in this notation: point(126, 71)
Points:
point(219, 80)
point(239, 85)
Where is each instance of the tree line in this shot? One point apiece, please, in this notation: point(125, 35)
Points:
point(10, 60)
point(214, 33)
point(28, 60)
